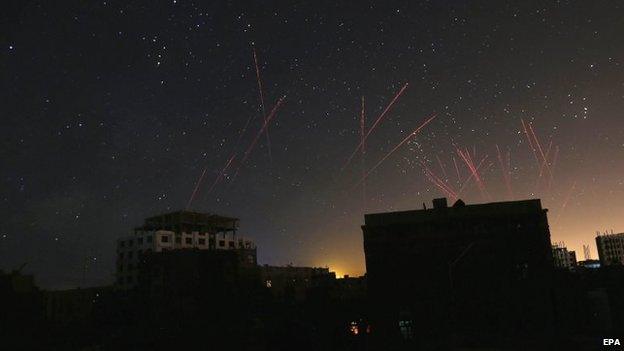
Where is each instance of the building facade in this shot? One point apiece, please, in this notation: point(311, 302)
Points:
point(294, 282)
point(610, 248)
point(466, 271)
point(183, 230)
point(562, 258)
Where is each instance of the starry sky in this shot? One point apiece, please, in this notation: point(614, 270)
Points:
point(110, 111)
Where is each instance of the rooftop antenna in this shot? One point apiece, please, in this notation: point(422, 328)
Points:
point(586, 252)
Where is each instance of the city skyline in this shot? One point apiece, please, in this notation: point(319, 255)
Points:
point(114, 112)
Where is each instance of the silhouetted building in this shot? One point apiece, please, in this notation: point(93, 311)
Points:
point(21, 311)
point(73, 305)
point(562, 258)
point(610, 248)
point(460, 274)
point(294, 282)
point(176, 231)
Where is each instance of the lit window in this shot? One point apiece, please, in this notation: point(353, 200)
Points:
point(269, 284)
point(353, 328)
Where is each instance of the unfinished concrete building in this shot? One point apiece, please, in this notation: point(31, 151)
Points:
point(182, 230)
point(610, 248)
point(562, 257)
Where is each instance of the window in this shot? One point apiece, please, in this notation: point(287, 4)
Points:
point(140, 241)
point(406, 329)
point(221, 243)
point(122, 243)
point(120, 268)
point(164, 239)
point(269, 284)
point(130, 266)
point(129, 279)
point(149, 239)
point(130, 254)
point(231, 244)
point(121, 255)
point(178, 240)
point(354, 328)
point(189, 241)
point(130, 243)
point(202, 241)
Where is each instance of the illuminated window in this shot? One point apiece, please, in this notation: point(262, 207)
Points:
point(268, 284)
point(353, 328)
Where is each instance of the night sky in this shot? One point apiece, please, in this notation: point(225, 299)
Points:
point(111, 110)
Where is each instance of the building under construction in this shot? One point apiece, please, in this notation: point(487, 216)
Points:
point(610, 248)
point(562, 257)
point(182, 230)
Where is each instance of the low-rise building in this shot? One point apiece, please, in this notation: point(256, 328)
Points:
point(294, 282)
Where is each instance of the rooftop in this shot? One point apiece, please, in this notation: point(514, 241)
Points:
point(459, 209)
point(191, 220)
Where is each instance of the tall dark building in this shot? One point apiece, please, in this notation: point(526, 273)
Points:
point(460, 274)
